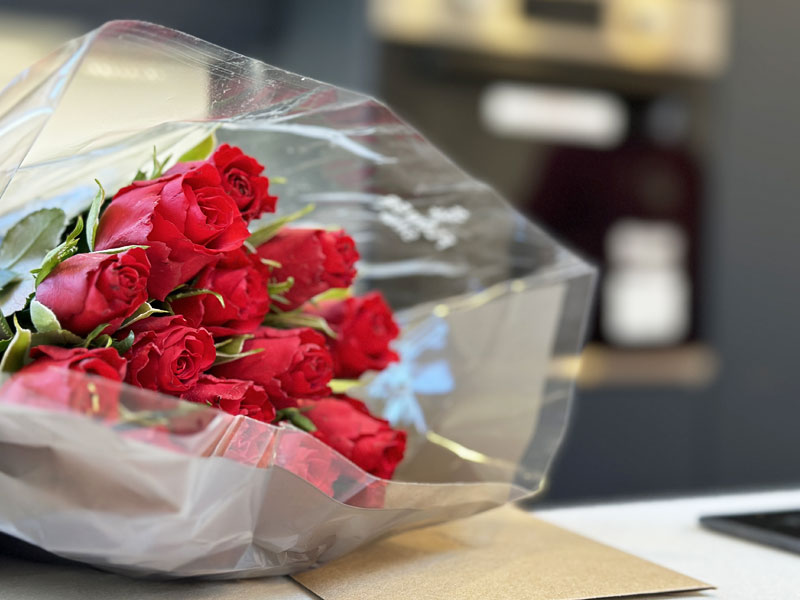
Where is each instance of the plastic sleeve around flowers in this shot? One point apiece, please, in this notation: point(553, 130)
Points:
point(491, 309)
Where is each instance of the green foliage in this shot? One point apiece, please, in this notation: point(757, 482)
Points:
point(269, 231)
point(232, 345)
point(332, 294)
point(144, 311)
point(226, 357)
point(93, 218)
point(16, 354)
point(295, 318)
point(295, 416)
point(201, 151)
point(189, 293)
point(59, 254)
point(44, 320)
point(22, 250)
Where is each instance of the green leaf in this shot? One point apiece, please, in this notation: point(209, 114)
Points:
point(332, 294)
point(293, 319)
point(296, 418)
point(271, 263)
point(7, 277)
point(269, 231)
point(59, 254)
point(278, 288)
point(22, 249)
point(144, 311)
point(342, 386)
point(62, 337)
point(232, 345)
point(5, 328)
point(16, 354)
point(94, 333)
point(44, 319)
point(102, 341)
point(125, 344)
point(201, 151)
point(121, 249)
point(223, 358)
point(188, 294)
point(93, 218)
point(29, 240)
point(158, 166)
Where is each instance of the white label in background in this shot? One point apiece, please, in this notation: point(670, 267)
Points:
point(646, 291)
point(582, 117)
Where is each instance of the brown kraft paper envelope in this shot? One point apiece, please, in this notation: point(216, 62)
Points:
point(504, 554)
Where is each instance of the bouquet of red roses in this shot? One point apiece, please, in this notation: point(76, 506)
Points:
point(193, 380)
point(163, 287)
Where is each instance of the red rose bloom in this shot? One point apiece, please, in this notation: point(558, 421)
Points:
point(308, 459)
point(241, 279)
point(105, 362)
point(364, 327)
point(168, 355)
point(241, 178)
point(347, 426)
point(293, 363)
point(318, 260)
point(234, 396)
point(186, 220)
point(87, 290)
point(51, 380)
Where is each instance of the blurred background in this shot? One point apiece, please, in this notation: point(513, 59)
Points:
point(656, 137)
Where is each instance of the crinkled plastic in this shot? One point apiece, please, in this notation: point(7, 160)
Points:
point(492, 311)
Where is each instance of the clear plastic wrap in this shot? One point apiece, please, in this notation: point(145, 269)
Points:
point(492, 311)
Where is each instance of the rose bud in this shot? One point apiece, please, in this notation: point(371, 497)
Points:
point(347, 426)
point(168, 355)
point(233, 396)
point(318, 260)
point(241, 280)
point(53, 379)
point(293, 363)
point(87, 290)
point(186, 220)
point(364, 327)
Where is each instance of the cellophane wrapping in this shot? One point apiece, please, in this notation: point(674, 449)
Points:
point(492, 312)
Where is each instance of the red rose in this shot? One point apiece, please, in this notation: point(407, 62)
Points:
point(241, 178)
point(186, 220)
point(293, 363)
point(364, 327)
point(241, 279)
point(347, 426)
point(87, 290)
point(317, 259)
point(167, 355)
point(51, 380)
point(234, 396)
point(308, 459)
point(105, 362)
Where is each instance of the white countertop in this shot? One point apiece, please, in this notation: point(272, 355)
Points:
point(664, 531)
